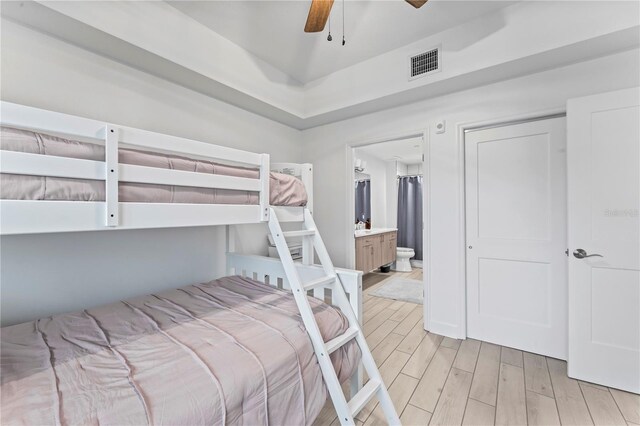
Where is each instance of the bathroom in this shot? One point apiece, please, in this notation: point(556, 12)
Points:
point(388, 217)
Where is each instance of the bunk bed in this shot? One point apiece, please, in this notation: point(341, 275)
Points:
point(67, 165)
point(234, 350)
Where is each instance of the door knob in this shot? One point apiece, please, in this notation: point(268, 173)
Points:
point(581, 254)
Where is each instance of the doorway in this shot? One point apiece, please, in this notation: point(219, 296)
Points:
point(403, 154)
point(516, 235)
point(387, 194)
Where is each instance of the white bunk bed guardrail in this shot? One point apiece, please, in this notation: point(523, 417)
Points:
point(270, 271)
point(29, 216)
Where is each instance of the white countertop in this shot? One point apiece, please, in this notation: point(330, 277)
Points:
point(373, 231)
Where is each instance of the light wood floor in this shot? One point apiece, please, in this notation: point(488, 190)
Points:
point(441, 381)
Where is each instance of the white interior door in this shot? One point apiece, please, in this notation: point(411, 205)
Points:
point(516, 236)
point(604, 204)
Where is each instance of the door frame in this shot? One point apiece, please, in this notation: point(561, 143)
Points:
point(426, 205)
point(462, 129)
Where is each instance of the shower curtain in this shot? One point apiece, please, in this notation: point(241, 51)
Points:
point(363, 200)
point(410, 213)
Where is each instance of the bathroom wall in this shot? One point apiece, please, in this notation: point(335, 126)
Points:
point(377, 170)
point(394, 169)
point(414, 169)
point(384, 188)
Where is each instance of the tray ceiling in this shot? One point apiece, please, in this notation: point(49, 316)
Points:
point(273, 30)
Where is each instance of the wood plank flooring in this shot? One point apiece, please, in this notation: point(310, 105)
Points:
point(436, 380)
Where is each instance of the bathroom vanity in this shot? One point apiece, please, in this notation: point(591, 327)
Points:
point(375, 248)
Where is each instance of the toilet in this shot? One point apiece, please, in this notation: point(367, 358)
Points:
point(403, 254)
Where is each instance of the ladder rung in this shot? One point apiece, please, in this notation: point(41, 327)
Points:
point(303, 233)
point(320, 282)
point(336, 343)
point(363, 396)
point(375, 386)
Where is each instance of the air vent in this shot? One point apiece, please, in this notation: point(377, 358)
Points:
point(424, 63)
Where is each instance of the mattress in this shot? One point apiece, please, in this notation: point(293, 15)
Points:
point(284, 190)
point(232, 351)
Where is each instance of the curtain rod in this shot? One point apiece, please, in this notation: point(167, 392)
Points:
point(401, 176)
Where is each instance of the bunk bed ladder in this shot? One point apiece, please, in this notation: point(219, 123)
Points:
point(346, 410)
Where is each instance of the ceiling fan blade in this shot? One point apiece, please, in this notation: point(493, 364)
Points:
point(416, 3)
point(318, 15)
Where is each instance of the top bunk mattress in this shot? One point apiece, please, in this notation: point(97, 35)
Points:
point(284, 190)
point(232, 351)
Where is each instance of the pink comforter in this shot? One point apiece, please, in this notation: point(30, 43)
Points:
point(284, 190)
point(232, 351)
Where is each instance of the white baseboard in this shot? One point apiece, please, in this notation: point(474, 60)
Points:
point(416, 263)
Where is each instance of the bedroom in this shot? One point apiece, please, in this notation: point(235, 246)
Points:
point(155, 66)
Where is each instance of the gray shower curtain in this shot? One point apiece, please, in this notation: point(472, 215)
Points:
point(363, 200)
point(410, 214)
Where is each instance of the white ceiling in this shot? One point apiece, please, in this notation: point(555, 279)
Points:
point(273, 30)
point(408, 151)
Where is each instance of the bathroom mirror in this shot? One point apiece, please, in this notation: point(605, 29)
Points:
point(363, 199)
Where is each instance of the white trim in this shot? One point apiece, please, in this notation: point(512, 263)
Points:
point(493, 125)
point(426, 224)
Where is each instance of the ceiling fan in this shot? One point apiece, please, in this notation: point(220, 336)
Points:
point(320, 9)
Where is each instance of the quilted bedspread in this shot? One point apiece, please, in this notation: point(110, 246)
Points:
point(231, 351)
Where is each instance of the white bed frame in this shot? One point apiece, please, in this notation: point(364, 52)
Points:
point(33, 217)
point(38, 216)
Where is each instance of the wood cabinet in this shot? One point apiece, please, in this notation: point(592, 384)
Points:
point(388, 248)
point(373, 251)
point(364, 253)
